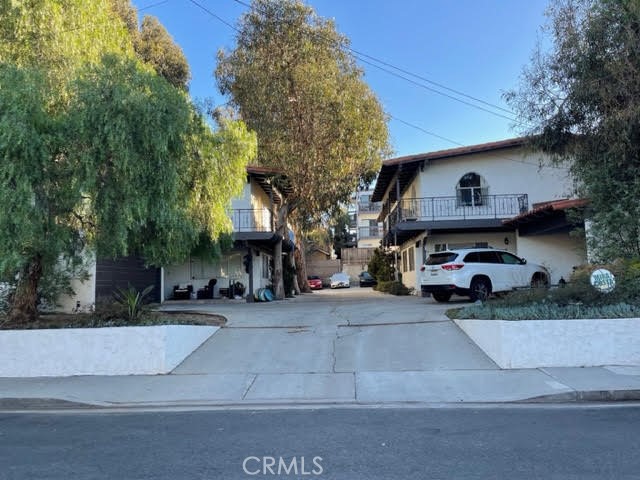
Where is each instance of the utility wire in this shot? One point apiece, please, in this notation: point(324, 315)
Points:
point(417, 127)
point(220, 19)
point(359, 56)
point(390, 72)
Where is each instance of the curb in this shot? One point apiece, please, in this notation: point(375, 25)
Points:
point(55, 404)
point(587, 396)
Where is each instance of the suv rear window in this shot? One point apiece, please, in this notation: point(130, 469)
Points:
point(440, 258)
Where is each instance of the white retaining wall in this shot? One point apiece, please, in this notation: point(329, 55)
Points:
point(557, 343)
point(98, 351)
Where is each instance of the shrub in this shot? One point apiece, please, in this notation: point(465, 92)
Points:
point(578, 299)
point(544, 311)
point(381, 265)
point(133, 301)
point(393, 287)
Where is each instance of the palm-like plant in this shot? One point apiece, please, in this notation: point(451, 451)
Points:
point(132, 300)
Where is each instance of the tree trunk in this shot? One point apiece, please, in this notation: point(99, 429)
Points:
point(296, 285)
point(301, 265)
point(281, 229)
point(24, 305)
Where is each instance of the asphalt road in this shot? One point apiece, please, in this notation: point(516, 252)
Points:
point(528, 442)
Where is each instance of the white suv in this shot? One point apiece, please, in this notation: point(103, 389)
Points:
point(478, 272)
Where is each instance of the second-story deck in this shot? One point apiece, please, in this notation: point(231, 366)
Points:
point(370, 232)
point(454, 213)
point(251, 220)
point(253, 224)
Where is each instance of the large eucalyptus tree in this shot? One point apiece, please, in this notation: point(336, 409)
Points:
point(319, 126)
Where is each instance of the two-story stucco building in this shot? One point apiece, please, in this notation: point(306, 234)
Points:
point(499, 194)
point(252, 217)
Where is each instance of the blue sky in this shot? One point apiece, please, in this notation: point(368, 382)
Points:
point(477, 47)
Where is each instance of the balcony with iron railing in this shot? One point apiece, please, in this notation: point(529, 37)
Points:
point(251, 220)
point(369, 207)
point(370, 232)
point(461, 207)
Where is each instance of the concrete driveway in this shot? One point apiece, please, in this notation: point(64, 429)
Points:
point(334, 346)
point(336, 331)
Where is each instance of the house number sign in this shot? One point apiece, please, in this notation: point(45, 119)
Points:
point(603, 280)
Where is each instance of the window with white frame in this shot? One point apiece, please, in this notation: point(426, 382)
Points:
point(471, 190)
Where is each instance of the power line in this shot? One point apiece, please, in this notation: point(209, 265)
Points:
point(436, 91)
point(205, 9)
point(157, 4)
point(400, 76)
point(457, 92)
point(359, 56)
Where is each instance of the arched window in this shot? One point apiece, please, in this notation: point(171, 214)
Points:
point(471, 190)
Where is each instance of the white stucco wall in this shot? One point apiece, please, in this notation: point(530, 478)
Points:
point(243, 202)
point(197, 272)
point(557, 343)
point(85, 291)
point(559, 253)
point(494, 239)
point(509, 171)
point(98, 351)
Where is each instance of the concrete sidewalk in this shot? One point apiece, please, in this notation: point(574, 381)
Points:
point(360, 388)
point(354, 347)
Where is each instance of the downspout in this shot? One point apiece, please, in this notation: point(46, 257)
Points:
point(395, 228)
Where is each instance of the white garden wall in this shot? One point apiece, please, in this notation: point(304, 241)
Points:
point(98, 351)
point(557, 343)
point(559, 253)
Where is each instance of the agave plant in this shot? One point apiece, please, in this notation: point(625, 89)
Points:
point(132, 300)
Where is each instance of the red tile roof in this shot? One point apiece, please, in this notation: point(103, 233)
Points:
point(455, 152)
point(548, 207)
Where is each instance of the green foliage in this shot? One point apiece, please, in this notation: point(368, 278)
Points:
point(296, 85)
point(59, 37)
point(578, 299)
point(393, 287)
point(156, 47)
point(546, 311)
point(581, 99)
point(153, 45)
point(133, 301)
point(99, 152)
point(341, 236)
point(319, 126)
point(381, 265)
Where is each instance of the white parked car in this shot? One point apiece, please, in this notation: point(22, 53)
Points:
point(478, 272)
point(340, 280)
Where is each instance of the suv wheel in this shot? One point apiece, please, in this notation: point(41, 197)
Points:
point(441, 297)
point(480, 289)
point(539, 281)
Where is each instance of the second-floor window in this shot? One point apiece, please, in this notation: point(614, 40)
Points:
point(471, 190)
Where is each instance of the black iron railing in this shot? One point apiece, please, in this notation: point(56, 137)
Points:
point(251, 220)
point(369, 207)
point(457, 208)
point(370, 232)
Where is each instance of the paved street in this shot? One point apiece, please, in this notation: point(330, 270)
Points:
point(573, 443)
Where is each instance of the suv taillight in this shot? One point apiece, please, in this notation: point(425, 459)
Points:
point(452, 266)
point(422, 268)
